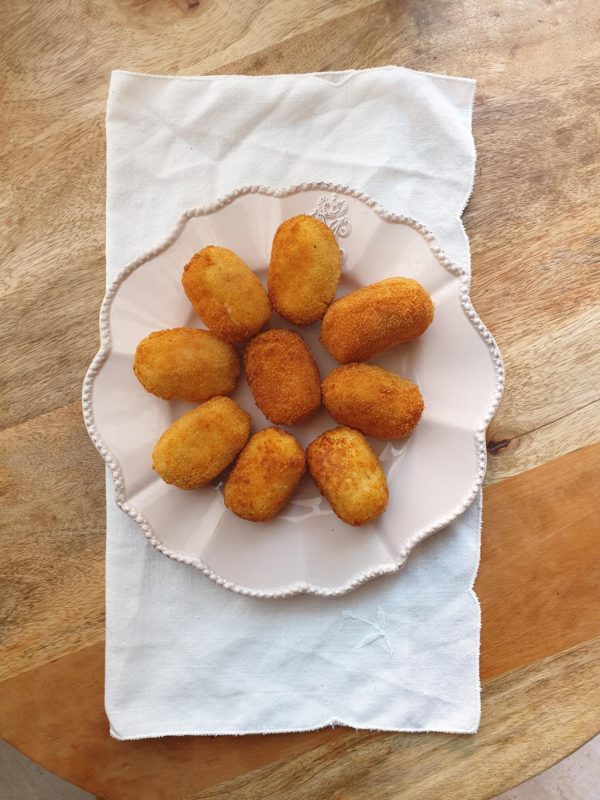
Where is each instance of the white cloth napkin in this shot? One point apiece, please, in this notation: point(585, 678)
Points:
point(183, 655)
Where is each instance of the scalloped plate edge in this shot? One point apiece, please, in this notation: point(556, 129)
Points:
point(105, 349)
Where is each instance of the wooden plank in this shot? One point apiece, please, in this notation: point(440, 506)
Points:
point(536, 134)
point(540, 539)
point(55, 715)
point(527, 716)
point(532, 223)
point(55, 571)
point(551, 374)
point(539, 577)
point(574, 430)
point(52, 540)
point(56, 141)
point(531, 718)
point(52, 140)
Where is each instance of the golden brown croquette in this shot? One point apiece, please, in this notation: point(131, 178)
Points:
point(374, 318)
point(202, 443)
point(348, 474)
point(283, 376)
point(186, 364)
point(265, 475)
point(305, 269)
point(226, 294)
point(372, 400)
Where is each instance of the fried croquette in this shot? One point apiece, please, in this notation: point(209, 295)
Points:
point(202, 443)
point(374, 318)
point(348, 474)
point(283, 376)
point(265, 475)
point(372, 400)
point(305, 269)
point(186, 364)
point(226, 294)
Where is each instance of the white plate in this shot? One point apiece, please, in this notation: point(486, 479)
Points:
point(433, 475)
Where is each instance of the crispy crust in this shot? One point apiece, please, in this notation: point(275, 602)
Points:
point(265, 475)
point(202, 443)
point(226, 294)
point(348, 473)
point(374, 318)
point(372, 400)
point(305, 269)
point(283, 376)
point(186, 364)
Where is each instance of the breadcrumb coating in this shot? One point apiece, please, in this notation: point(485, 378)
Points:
point(202, 443)
point(348, 474)
point(372, 400)
point(186, 364)
point(376, 317)
point(305, 269)
point(265, 475)
point(283, 376)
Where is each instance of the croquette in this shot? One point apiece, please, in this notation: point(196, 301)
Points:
point(202, 443)
point(226, 294)
point(369, 320)
point(186, 364)
point(305, 269)
point(372, 400)
point(348, 474)
point(265, 475)
point(283, 376)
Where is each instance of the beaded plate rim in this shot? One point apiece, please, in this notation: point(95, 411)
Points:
point(304, 587)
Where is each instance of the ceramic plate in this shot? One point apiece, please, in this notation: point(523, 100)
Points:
point(433, 475)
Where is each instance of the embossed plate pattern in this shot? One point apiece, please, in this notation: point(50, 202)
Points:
point(433, 475)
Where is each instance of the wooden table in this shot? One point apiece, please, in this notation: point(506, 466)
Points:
point(534, 225)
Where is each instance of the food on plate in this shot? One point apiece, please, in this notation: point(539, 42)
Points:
point(305, 269)
point(200, 444)
point(186, 364)
point(203, 367)
point(374, 318)
point(348, 473)
point(283, 376)
point(265, 475)
point(226, 294)
point(372, 400)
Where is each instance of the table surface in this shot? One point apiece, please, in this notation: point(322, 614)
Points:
point(533, 225)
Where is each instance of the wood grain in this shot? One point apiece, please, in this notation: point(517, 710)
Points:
point(547, 517)
point(53, 105)
point(535, 283)
point(529, 709)
point(533, 226)
point(531, 718)
point(508, 55)
point(558, 375)
point(539, 577)
point(52, 541)
point(578, 428)
point(542, 538)
point(56, 715)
